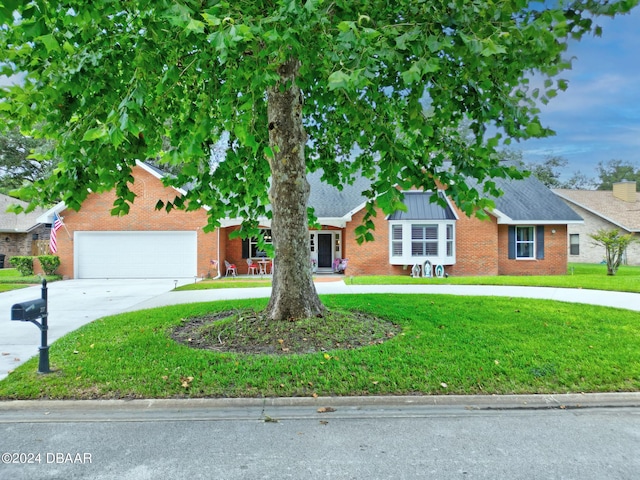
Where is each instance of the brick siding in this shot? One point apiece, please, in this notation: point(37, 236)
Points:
point(95, 216)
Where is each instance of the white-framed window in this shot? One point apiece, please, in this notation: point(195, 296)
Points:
point(424, 240)
point(525, 242)
point(412, 242)
point(450, 240)
point(396, 240)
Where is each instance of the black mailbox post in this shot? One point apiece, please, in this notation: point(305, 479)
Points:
point(31, 311)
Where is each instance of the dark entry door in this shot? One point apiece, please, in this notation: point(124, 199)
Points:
point(324, 250)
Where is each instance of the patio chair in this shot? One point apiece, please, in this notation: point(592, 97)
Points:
point(231, 268)
point(251, 267)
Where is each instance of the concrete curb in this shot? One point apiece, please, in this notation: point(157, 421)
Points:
point(480, 402)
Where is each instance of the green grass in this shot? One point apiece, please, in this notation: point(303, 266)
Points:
point(447, 345)
point(580, 275)
point(589, 276)
point(10, 279)
point(228, 282)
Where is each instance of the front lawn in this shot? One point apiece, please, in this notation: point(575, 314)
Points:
point(445, 345)
point(10, 279)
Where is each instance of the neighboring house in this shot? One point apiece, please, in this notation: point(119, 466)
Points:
point(525, 235)
point(19, 233)
point(614, 209)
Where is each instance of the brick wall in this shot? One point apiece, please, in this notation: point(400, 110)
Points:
point(95, 216)
point(481, 249)
point(555, 254)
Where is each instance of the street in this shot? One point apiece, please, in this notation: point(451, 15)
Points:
point(193, 440)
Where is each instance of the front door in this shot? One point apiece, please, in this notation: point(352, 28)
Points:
point(325, 240)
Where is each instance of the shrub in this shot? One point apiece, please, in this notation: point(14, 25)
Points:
point(49, 263)
point(24, 265)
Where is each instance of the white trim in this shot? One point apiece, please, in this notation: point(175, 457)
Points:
point(407, 259)
point(47, 217)
point(504, 219)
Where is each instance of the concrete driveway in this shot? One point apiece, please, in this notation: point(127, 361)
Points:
point(72, 303)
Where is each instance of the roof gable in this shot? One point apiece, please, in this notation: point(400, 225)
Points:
point(605, 205)
point(17, 223)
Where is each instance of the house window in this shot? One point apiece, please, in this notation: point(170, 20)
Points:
point(254, 251)
point(525, 242)
point(449, 240)
point(396, 240)
point(424, 240)
point(411, 243)
point(574, 244)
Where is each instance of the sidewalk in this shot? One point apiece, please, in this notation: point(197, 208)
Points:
point(629, 301)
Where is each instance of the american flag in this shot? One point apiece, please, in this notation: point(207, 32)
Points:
point(57, 225)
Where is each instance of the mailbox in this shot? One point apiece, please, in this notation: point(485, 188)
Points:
point(30, 310)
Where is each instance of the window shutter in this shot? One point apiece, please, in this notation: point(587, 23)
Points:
point(245, 248)
point(512, 242)
point(540, 242)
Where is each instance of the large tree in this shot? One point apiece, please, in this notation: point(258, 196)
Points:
point(22, 160)
point(376, 88)
point(614, 171)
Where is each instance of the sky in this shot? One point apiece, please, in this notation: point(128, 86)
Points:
point(597, 118)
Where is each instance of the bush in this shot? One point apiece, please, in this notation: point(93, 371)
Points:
point(49, 263)
point(24, 265)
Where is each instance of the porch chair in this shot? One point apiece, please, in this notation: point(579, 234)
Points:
point(251, 267)
point(231, 268)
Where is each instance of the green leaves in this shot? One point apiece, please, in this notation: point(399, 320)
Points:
point(50, 43)
point(95, 134)
point(386, 87)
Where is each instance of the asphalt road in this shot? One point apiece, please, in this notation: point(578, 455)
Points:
point(367, 441)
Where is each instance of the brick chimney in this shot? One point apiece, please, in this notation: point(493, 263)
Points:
point(625, 191)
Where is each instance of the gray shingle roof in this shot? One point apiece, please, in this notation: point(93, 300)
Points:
point(329, 202)
point(529, 200)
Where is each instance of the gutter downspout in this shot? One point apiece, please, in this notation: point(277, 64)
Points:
point(218, 259)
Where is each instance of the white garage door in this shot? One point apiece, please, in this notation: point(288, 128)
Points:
point(135, 254)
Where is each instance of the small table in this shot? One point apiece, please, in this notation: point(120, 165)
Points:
point(262, 266)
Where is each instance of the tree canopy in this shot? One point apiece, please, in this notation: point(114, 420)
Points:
point(23, 160)
point(614, 171)
point(615, 244)
point(375, 88)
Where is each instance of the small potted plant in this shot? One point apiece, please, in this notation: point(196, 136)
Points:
point(314, 265)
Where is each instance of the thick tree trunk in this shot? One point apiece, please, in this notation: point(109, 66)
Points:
point(294, 294)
